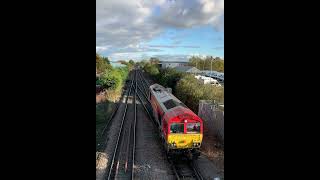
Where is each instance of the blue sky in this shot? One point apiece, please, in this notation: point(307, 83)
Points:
point(169, 30)
point(202, 40)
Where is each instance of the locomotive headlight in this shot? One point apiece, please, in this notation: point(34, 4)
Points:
point(173, 144)
point(196, 144)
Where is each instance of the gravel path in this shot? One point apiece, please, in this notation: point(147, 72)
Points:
point(150, 158)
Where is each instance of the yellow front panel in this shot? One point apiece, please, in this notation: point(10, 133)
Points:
point(184, 140)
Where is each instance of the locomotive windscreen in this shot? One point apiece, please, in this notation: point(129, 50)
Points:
point(193, 128)
point(177, 128)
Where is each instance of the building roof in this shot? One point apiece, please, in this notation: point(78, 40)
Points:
point(211, 72)
point(187, 69)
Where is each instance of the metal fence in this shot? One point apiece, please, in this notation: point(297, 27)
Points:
point(213, 118)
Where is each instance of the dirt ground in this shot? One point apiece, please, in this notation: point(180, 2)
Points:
point(100, 97)
point(110, 140)
point(213, 150)
point(111, 96)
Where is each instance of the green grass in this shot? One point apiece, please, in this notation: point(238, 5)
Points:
point(103, 112)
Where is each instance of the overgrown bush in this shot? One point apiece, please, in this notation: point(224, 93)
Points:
point(169, 78)
point(99, 82)
point(102, 64)
point(113, 79)
point(190, 91)
point(152, 69)
point(124, 71)
point(185, 86)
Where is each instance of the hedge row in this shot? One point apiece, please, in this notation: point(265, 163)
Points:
point(185, 86)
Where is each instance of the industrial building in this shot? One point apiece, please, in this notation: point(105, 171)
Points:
point(171, 64)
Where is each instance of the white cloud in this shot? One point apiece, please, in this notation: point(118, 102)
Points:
point(123, 56)
point(172, 46)
point(136, 56)
point(186, 14)
point(123, 25)
point(102, 48)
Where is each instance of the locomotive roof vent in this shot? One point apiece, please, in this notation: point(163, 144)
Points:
point(169, 104)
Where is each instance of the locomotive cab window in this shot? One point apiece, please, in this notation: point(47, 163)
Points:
point(193, 128)
point(177, 128)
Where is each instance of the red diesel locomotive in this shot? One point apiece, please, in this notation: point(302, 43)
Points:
point(181, 130)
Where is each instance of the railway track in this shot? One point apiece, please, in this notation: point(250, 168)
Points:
point(111, 117)
point(143, 90)
point(122, 159)
point(185, 169)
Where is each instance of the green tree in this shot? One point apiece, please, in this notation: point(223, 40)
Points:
point(106, 60)
point(189, 91)
point(154, 60)
point(131, 62)
point(128, 64)
point(102, 64)
point(216, 64)
point(112, 79)
point(151, 69)
point(169, 77)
